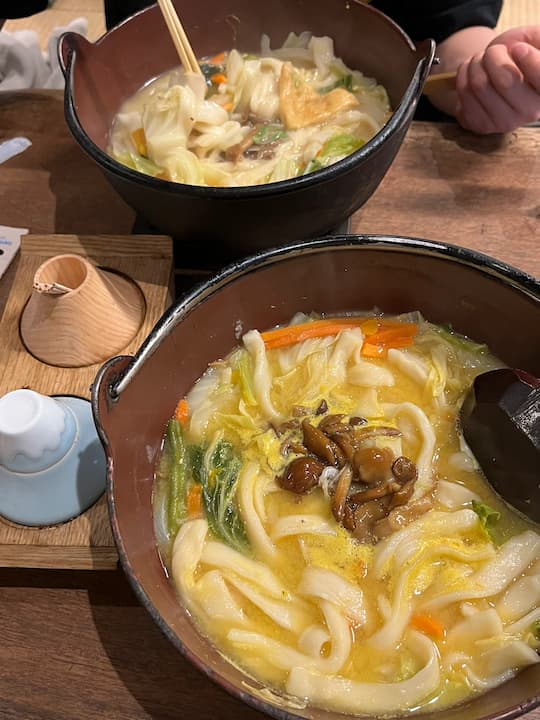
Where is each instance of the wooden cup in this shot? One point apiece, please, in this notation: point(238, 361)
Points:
point(79, 314)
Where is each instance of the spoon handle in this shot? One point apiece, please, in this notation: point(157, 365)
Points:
point(440, 81)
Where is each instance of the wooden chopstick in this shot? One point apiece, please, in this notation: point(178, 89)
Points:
point(179, 37)
point(437, 82)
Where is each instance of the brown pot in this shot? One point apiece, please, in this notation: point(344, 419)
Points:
point(479, 296)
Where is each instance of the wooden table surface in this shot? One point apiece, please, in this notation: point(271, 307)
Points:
point(77, 645)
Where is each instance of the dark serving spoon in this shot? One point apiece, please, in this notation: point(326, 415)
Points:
point(500, 419)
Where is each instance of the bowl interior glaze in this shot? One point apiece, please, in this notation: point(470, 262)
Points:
point(480, 297)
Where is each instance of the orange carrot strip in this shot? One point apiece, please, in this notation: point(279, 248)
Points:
point(428, 625)
point(371, 326)
point(375, 349)
point(217, 59)
point(388, 333)
point(306, 335)
point(228, 106)
point(281, 337)
point(182, 411)
point(375, 345)
point(377, 331)
point(377, 324)
point(372, 351)
point(139, 140)
point(218, 79)
point(194, 501)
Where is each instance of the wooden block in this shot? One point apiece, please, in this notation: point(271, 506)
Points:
point(85, 542)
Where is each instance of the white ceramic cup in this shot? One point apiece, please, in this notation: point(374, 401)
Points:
point(35, 431)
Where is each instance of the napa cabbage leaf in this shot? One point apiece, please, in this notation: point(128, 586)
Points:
point(242, 364)
point(219, 479)
point(335, 148)
point(141, 164)
point(345, 81)
point(458, 341)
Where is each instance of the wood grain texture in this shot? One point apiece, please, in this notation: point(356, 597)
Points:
point(95, 316)
point(451, 186)
point(86, 541)
point(436, 82)
point(78, 645)
point(518, 12)
point(53, 187)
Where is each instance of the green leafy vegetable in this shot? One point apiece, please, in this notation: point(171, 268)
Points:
point(219, 478)
point(269, 134)
point(340, 145)
point(140, 163)
point(346, 82)
point(313, 166)
point(175, 452)
point(335, 148)
point(195, 458)
point(209, 69)
point(180, 467)
point(488, 516)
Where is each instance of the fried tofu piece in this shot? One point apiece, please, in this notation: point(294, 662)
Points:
point(300, 105)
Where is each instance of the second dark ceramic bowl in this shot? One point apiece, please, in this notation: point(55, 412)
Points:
point(235, 222)
point(133, 398)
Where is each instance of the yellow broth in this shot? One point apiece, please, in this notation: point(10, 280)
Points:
point(437, 564)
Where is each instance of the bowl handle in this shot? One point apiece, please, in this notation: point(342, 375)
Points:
point(103, 395)
point(68, 44)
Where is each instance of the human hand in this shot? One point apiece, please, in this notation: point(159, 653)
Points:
point(498, 89)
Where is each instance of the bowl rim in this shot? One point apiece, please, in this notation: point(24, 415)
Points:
point(128, 366)
point(407, 104)
point(510, 274)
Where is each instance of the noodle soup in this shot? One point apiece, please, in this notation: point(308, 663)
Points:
point(328, 528)
point(251, 119)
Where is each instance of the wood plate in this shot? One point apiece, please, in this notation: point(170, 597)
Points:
point(85, 542)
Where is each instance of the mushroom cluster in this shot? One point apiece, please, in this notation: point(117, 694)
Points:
point(370, 487)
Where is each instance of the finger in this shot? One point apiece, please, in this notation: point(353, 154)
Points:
point(527, 58)
point(502, 115)
point(469, 112)
point(510, 83)
point(478, 109)
point(529, 34)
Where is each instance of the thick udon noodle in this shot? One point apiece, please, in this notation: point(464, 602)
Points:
point(257, 119)
point(429, 611)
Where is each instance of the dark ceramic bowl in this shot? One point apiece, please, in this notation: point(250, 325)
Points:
point(240, 221)
point(133, 398)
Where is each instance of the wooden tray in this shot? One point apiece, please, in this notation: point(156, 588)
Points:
point(85, 542)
